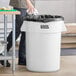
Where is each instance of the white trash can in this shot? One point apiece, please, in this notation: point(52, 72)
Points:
point(43, 44)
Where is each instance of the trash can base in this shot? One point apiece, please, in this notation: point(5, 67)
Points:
point(42, 71)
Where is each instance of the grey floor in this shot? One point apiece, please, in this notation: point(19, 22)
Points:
point(64, 52)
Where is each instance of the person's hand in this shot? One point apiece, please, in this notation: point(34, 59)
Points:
point(30, 7)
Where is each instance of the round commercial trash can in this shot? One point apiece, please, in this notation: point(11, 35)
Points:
point(43, 43)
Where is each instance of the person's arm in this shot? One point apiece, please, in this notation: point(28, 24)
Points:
point(30, 6)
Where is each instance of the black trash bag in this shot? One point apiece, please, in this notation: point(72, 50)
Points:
point(43, 18)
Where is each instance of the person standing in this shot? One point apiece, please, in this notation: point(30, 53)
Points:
point(22, 6)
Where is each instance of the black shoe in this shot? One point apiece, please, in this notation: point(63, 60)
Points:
point(7, 63)
point(21, 63)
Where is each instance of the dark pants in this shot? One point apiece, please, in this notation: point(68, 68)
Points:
point(19, 22)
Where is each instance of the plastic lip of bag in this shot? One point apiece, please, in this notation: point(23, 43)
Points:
point(30, 15)
point(34, 13)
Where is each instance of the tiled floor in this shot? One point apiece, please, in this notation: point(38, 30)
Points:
point(68, 68)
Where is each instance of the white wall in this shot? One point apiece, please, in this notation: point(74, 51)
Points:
point(66, 8)
point(4, 3)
